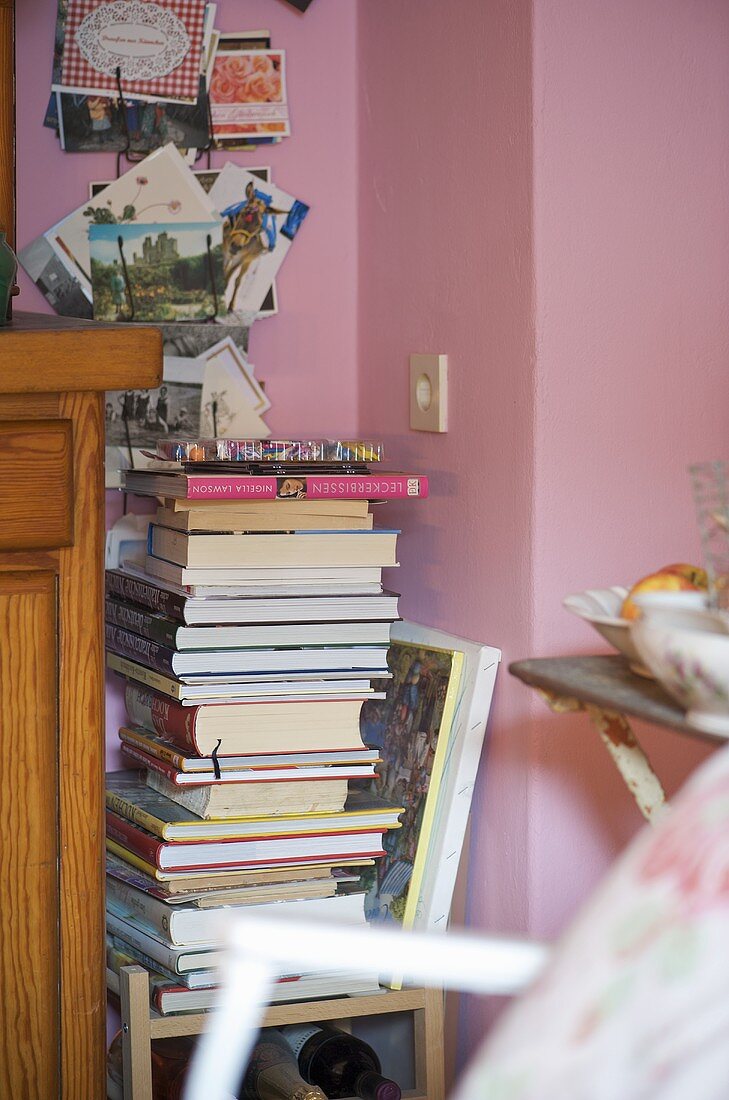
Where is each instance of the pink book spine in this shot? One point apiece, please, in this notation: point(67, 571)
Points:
point(316, 487)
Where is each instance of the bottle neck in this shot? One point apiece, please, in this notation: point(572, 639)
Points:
point(373, 1086)
point(282, 1082)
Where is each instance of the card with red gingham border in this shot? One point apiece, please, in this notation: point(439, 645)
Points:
point(182, 82)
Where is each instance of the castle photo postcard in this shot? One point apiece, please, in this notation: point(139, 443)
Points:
point(156, 272)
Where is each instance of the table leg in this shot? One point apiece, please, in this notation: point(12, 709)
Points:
point(630, 760)
point(622, 744)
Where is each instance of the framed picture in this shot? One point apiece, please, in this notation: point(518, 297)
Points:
point(430, 731)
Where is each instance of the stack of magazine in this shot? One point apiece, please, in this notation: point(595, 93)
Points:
point(248, 640)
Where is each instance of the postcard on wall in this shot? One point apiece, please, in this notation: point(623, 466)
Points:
point(431, 729)
point(189, 341)
point(155, 44)
point(229, 393)
point(160, 188)
point(136, 419)
point(259, 227)
point(90, 124)
point(156, 272)
point(55, 282)
point(248, 94)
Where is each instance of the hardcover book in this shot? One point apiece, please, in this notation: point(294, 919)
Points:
point(168, 632)
point(379, 486)
point(207, 855)
point(128, 796)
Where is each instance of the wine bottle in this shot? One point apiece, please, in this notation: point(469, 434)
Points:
point(339, 1063)
point(273, 1073)
point(170, 1058)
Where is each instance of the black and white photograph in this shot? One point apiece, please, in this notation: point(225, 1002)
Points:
point(146, 415)
point(60, 288)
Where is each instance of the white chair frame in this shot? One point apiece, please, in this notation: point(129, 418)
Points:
point(260, 948)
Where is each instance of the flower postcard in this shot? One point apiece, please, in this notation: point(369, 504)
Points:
point(161, 188)
point(156, 272)
point(155, 47)
point(260, 223)
point(248, 94)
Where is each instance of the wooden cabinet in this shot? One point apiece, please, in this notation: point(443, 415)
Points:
point(53, 374)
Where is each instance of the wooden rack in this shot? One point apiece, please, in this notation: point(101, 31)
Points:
point(141, 1024)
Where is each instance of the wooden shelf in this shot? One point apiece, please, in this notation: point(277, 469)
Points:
point(48, 354)
point(141, 1024)
point(606, 682)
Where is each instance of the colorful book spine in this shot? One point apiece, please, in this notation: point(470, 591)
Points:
point(132, 670)
point(164, 716)
point(155, 627)
point(134, 839)
point(136, 648)
point(136, 905)
point(165, 753)
point(127, 810)
point(123, 586)
point(287, 773)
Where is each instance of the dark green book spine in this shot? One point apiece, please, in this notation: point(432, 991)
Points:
point(155, 627)
point(130, 589)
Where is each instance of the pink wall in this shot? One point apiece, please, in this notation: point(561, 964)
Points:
point(446, 266)
point(542, 194)
point(631, 243)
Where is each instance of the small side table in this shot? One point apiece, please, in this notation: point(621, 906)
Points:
point(607, 690)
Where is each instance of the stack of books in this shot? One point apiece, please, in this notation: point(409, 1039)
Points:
point(248, 641)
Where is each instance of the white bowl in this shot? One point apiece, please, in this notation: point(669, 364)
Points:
point(601, 608)
point(688, 653)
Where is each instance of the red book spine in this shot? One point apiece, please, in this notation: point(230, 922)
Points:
point(140, 758)
point(133, 838)
point(161, 715)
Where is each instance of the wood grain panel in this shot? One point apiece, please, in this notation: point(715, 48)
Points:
point(36, 484)
point(41, 353)
point(29, 1006)
point(16, 406)
point(81, 785)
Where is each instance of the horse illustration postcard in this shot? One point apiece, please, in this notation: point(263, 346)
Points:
point(248, 94)
point(155, 47)
point(156, 272)
point(260, 223)
point(160, 188)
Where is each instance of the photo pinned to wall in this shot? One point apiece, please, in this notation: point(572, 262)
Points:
point(156, 272)
point(233, 400)
point(260, 224)
point(156, 49)
point(59, 287)
point(136, 419)
point(248, 94)
point(92, 124)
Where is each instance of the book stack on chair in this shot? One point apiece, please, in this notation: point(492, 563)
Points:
point(249, 642)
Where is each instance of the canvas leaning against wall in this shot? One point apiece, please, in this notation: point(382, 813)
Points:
point(430, 731)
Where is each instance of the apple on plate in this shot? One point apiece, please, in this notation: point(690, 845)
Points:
point(678, 577)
